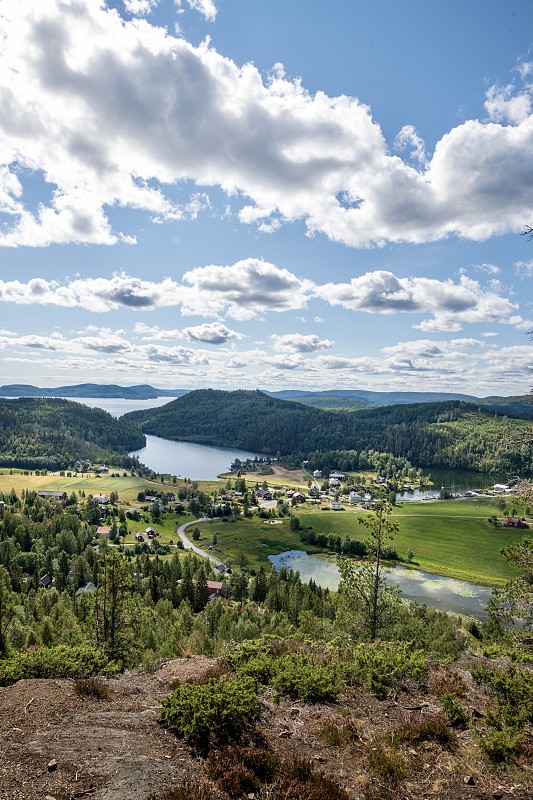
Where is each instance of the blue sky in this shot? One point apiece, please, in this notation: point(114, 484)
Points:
point(241, 194)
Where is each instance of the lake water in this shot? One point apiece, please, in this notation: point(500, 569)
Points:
point(444, 594)
point(197, 461)
point(117, 406)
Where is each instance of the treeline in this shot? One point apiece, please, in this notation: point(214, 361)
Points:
point(452, 434)
point(45, 433)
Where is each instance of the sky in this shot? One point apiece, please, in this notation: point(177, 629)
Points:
point(267, 194)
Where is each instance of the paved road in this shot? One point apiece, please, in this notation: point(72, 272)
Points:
point(188, 545)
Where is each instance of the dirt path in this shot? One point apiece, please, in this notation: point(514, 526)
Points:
point(105, 749)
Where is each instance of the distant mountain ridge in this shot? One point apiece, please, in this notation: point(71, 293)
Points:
point(140, 392)
point(329, 399)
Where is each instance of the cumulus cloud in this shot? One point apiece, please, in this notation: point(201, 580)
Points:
point(113, 112)
point(452, 304)
point(409, 140)
point(300, 343)
point(211, 333)
point(505, 104)
point(243, 290)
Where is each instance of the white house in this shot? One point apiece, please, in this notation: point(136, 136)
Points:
point(335, 505)
point(355, 497)
point(340, 476)
point(317, 473)
point(334, 482)
point(500, 488)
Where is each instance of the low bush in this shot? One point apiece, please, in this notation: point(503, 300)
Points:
point(454, 712)
point(300, 781)
point(386, 761)
point(93, 687)
point(299, 676)
point(62, 661)
point(241, 770)
point(334, 735)
point(422, 728)
point(380, 665)
point(204, 713)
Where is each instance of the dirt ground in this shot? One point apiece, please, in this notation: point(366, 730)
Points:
point(58, 745)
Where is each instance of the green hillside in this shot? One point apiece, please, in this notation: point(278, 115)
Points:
point(50, 433)
point(448, 435)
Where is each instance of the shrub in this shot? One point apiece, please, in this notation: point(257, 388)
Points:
point(455, 714)
point(62, 661)
point(300, 781)
point(380, 665)
point(499, 744)
point(299, 676)
point(93, 687)
point(422, 728)
point(388, 762)
point(241, 770)
point(205, 712)
point(334, 735)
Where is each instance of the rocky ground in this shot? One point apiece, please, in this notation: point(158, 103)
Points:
point(59, 745)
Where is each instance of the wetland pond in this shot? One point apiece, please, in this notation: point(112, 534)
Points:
point(444, 594)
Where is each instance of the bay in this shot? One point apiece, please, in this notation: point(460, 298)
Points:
point(444, 594)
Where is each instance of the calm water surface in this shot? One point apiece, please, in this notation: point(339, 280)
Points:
point(198, 461)
point(444, 594)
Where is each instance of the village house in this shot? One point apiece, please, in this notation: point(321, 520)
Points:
point(334, 482)
point(215, 588)
point(298, 497)
point(340, 476)
point(103, 530)
point(317, 473)
point(61, 496)
point(89, 587)
point(514, 522)
point(355, 497)
point(335, 505)
point(100, 498)
point(46, 581)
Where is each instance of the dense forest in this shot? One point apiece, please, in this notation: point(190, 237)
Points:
point(450, 435)
point(45, 433)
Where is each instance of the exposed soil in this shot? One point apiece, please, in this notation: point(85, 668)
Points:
point(57, 744)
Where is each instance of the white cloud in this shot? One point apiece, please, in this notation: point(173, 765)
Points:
point(524, 268)
point(243, 290)
point(140, 7)
point(452, 304)
point(114, 113)
point(407, 139)
point(300, 343)
point(505, 104)
point(211, 333)
point(207, 8)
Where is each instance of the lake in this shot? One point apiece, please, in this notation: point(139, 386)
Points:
point(456, 481)
point(197, 461)
point(444, 594)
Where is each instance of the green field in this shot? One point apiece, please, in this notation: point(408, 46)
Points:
point(451, 538)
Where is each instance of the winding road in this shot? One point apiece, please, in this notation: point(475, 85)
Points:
point(188, 545)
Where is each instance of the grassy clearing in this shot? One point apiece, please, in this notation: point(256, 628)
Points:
point(127, 488)
point(249, 538)
point(451, 538)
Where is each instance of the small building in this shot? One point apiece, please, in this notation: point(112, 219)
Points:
point(298, 497)
point(339, 475)
point(334, 482)
point(317, 473)
point(59, 496)
point(100, 498)
point(150, 532)
point(355, 497)
point(500, 488)
point(46, 581)
point(139, 536)
point(335, 505)
point(89, 587)
point(514, 522)
point(217, 589)
point(103, 530)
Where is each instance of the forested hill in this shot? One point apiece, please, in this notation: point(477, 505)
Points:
point(451, 434)
point(37, 433)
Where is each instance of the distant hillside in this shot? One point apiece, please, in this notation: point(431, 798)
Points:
point(140, 392)
point(50, 433)
point(452, 434)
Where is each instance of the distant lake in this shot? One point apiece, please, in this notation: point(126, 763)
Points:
point(117, 406)
point(444, 594)
point(197, 461)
